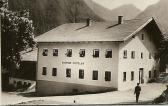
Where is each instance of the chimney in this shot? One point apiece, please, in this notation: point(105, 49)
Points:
point(88, 22)
point(120, 19)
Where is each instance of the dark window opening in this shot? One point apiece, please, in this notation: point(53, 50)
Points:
point(44, 72)
point(107, 76)
point(95, 53)
point(150, 74)
point(45, 52)
point(142, 36)
point(125, 54)
point(69, 53)
point(108, 53)
point(124, 76)
point(95, 75)
point(133, 54)
point(132, 75)
point(81, 73)
point(141, 55)
point(82, 53)
point(68, 72)
point(55, 52)
point(54, 72)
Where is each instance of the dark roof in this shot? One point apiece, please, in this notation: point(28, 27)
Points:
point(97, 31)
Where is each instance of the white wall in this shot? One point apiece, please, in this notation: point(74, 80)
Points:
point(101, 64)
point(127, 65)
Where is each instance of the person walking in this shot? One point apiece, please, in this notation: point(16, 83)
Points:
point(137, 92)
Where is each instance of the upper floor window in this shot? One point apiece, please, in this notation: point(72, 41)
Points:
point(82, 53)
point(124, 76)
point(141, 55)
point(81, 73)
point(125, 54)
point(44, 71)
point(55, 52)
point(96, 53)
point(95, 75)
point(69, 53)
point(45, 52)
point(54, 72)
point(132, 75)
point(142, 37)
point(150, 56)
point(68, 72)
point(108, 53)
point(107, 76)
point(133, 54)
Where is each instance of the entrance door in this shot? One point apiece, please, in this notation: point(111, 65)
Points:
point(141, 75)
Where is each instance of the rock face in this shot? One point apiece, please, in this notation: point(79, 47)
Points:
point(159, 12)
point(47, 14)
point(128, 11)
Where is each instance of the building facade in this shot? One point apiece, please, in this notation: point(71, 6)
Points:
point(96, 57)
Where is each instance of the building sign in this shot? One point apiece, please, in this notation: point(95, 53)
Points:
point(76, 63)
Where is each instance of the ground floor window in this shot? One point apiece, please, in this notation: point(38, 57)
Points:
point(81, 73)
point(124, 76)
point(44, 72)
point(132, 75)
point(54, 72)
point(107, 76)
point(68, 72)
point(95, 75)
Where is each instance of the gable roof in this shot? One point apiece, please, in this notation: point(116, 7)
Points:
point(97, 31)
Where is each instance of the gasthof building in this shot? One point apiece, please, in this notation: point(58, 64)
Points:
point(97, 56)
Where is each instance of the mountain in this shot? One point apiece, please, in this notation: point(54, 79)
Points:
point(160, 13)
point(47, 14)
point(128, 11)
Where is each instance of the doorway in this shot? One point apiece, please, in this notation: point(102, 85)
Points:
point(141, 75)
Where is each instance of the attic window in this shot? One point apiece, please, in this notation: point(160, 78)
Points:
point(69, 53)
point(45, 52)
point(142, 37)
point(108, 53)
point(82, 53)
point(96, 53)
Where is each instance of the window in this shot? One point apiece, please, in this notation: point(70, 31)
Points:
point(95, 75)
point(81, 73)
point(96, 53)
point(45, 52)
point(44, 72)
point(108, 53)
point(82, 53)
point(55, 52)
point(125, 54)
point(107, 76)
point(150, 74)
point(141, 55)
point(132, 75)
point(150, 56)
point(54, 72)
point(133, 54)
point(68, 72)
point(69, 53)
point(124, 76)
point(142, 37)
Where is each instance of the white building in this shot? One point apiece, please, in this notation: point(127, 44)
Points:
point(97, 56)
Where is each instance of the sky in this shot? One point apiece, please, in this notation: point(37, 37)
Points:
point(140, 4)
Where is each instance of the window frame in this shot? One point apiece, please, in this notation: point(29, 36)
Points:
point(95, 75)
point(107, 75)
point(133, 54)
point(68, 72)
point(82, 53)
point(94, 53)
point(142, 36)
point(124, 76)
point(54, 71)
point(109, 55)
point(125, 54)
point(81, 73)
point(132, 75)
point(55, 52)
point(45, 53)
point(150, 74)
point(44, 70)
point(142, 55)
point(69, 51)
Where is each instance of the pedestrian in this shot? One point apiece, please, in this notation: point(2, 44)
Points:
point(137, 92)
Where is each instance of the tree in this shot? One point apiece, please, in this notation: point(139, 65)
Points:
point(17, 35)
